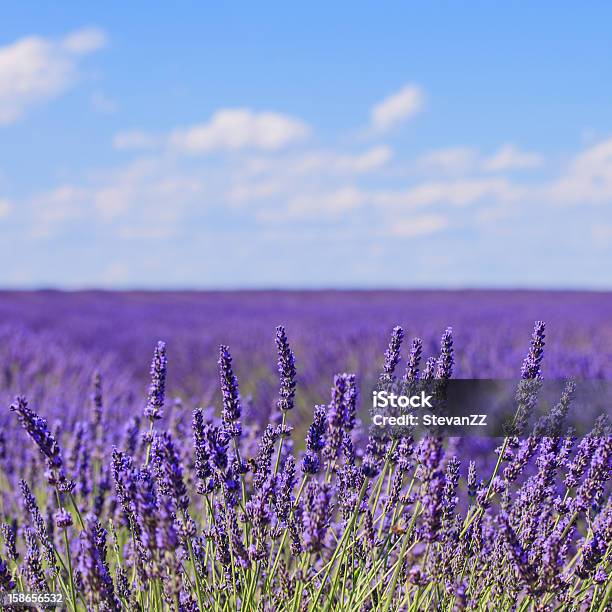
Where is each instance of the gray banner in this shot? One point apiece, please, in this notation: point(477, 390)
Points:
point(489, 408)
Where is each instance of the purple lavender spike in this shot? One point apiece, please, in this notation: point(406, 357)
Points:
point(232, 408)
point(286, 370)
point(157, 390)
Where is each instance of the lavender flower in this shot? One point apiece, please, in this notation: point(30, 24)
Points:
point(590, 554)
point(518, 555)
point(471, 480)
point(392, 354)
point(599, 472)
point(9, 533)
point(446, 360)
point(93, 566)
point(166, 533)
point(350, 402)
point(38, 430)
point(145, 503)
point(284, 497)
point(6, 578)
point(286, 369)
point(33, 566)
point(336, 418)
point(429, 370)
point(157, 390)
point(430, 456)
point(315, 441)
point(317, 514)
point(531, 377)
point(532, 364)
point(232, 409)
point(38, 522)
point(412, 366)
point(124, 476)
point(96, 398)
point(526, 450)
point(63, 519)
point(168, 470)
point(264, 456)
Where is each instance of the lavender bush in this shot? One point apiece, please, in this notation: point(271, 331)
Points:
point(254, 499)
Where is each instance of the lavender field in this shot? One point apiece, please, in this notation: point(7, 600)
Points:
point(193, 451)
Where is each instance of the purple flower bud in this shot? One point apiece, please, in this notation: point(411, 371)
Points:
point(168, 470)
point(392, 354)
point(430, 457)
point(93, 567)
point(599, 472)
point(157, 389)
point(284, 496)
point(63, 519)
point(166, 533)
point(210, 447)
point(526, 450)
point(38, 430)
point(286, 370)
point(533, 361)
point(350, 402)
point(429, 370)
point(6, 578)
point(263, 460)
point(315, 441)
point(590, 554)
point(232, 409)
point(584, 452)
point(33, 567)
point(336, 418)
point(146, 507)
point(517, 554)
point(38, 522)
point(412, 366)
point(96, 398)
point(9, 533)
point(600, 576)
point(317, 514)
point(471, 479)
point(446, 360)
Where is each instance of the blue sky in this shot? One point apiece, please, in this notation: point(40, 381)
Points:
point(327, 145)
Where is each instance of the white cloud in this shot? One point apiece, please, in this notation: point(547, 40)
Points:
point(319, 163)
point(397, 108)
point(462, 160)
point(419, 226)
point(84, 41)
point(5, 207)
point(284, 175)
point(460, 192)
point(240, 128)
point(249, 192)
point(453, 160)
point(338, 163)
point(145, 199)
point(326, 204)
point(154, 192)
point(134, 140)
point(588, 179)
point(35, 69)
point(56, 208)
point(510, 157)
